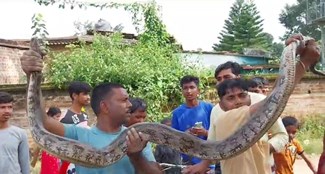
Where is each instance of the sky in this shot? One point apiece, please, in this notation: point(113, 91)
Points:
point(194, 23)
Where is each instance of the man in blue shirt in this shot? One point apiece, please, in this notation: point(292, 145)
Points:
point(110, 103)
point(193, 116)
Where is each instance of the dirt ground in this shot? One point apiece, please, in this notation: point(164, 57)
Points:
point(300, 167)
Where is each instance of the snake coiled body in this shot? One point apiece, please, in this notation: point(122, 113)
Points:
point(88, 156)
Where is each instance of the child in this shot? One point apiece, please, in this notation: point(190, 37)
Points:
point(284, 160)
point(321, 164)
point(255, 86)
point(49, 163)
point(138, 111)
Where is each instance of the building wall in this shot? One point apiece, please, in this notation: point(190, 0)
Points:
point(213, 60)
point(10, 69)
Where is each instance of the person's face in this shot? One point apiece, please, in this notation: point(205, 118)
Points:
point(235, 98)
point(225, 74)
point(190, 91)
point(138, 116)
point(117, 105)
point(291, 130)
point(257, 89)
point(57, 116)
point(82, 98)
point(266, 89)
point(6, 110)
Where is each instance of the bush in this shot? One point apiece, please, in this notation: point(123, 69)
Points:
point(311, 133)
point(144, 68)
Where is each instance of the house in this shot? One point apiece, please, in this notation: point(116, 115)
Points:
point(249, 63)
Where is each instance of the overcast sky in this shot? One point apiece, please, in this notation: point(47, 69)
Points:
point(194, 23)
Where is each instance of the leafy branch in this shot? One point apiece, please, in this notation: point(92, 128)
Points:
point(39, 26)
point(40, 31)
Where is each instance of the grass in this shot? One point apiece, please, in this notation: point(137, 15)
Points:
point(311, 133)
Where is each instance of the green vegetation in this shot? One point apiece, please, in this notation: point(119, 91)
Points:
point(311, 133)
point(243, 29)
point(149, 68)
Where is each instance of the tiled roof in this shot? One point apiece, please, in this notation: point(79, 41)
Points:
point(129, 38)
point(24, 43)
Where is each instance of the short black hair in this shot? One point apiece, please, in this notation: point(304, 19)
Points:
point(290, 121)
point(53, 111)
point(254, 83)
point(78, 87)
point(189, 79)
point(228, 84)
point(234, 66)
point(261, 80)
point(5, 98)
point(138, 103)
point(99, 93)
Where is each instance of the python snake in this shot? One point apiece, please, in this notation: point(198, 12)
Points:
point(88, 156)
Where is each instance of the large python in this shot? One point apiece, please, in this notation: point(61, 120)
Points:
point(88, 156)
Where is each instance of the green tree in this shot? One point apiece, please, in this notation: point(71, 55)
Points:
point(243, 29)
point(294, 19)
point(146, 69)
point(154, 28)
point(277, 49)
point(150, 68)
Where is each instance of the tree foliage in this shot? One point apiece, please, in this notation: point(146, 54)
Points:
point(294, 19)
point(149, 68)
point(145, 68)
point(243, 29)
point(39, 26)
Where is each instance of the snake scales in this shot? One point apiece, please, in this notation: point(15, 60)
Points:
point(88, 156)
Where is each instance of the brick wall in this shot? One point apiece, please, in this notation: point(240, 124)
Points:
point(10, 69)
point(307, 99)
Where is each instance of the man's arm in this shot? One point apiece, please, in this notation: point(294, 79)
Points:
point(309, 55)
point(31, 62)
point(52, 125)
point(279, 137)
point(23, 154)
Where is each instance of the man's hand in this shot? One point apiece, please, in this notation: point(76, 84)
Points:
point(31, 62)
point(309, 50)
point(311, 54)
point(199, 131)
point(136, 142)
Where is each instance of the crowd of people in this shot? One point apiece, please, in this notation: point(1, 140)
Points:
point(115, 111)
